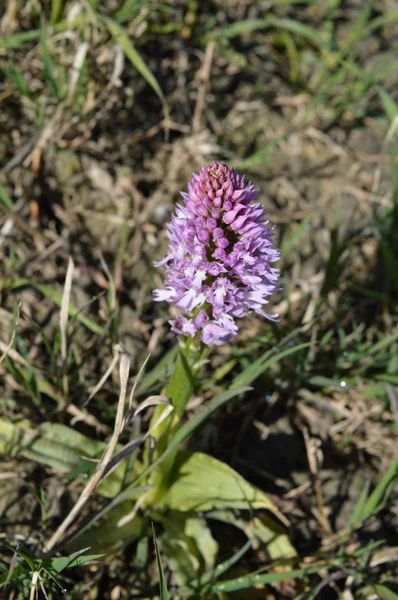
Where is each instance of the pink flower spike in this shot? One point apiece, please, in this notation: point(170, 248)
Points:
point(220, 256)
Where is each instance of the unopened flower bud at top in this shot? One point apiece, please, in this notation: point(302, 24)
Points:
point(221, 251)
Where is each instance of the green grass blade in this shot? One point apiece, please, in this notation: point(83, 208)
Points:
point(260, 156)
point(162, 369)
point(5, 198)
point(49, 72)
point(119, 35)
point(255, 369)
point(301, 29)
point(220, 569)
point(127, 11)
point(76, 559)
point(245, 582)
point(377, 496)
point(294, 235)
point(188, 428)
point(56, 297)
point(240, 27)
point(56, 11)
point(389, 105)
point(357, 513)
point(15, 76)
point(18, 40)
point(164, 594)
point(358, 29)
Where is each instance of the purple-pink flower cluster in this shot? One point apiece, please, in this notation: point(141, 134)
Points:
point(221, 251)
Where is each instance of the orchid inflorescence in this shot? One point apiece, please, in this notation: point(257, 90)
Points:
point(219, 266)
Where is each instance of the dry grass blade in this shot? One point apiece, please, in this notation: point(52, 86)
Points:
point(152, 401)
point(103, 379)
point(63, 322)
point(7, 348)
point(393, 397)
point(140, 372)
point(205, 78)
point(63, 318)
point(111, 280)
point(130, 516)
point(123, 453)
point(135, 58)
point(8, 351)
point(105, 459)
point(165, 413)
point(77, 69)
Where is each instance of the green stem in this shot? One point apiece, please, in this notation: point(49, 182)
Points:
point(182, 381)
point(180, 389)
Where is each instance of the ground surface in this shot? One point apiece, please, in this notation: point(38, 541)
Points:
point(96, 142)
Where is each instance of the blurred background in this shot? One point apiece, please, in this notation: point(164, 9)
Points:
point(106, 109)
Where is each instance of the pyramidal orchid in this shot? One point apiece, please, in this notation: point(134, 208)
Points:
point(221, 252)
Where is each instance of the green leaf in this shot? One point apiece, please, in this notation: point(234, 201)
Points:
point(26, 556)
point(61, 448)
point(186, 430)
point(164, 594)
point(180, 551)
point(263, 528)
point(201, 482)
point(50, 444)
point(76, 559)
point(108, 536)
point(141, 556)
point(134, 57)
point(221, 568)
point(197, 529)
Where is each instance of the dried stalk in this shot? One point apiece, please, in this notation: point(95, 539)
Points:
point(105, 459)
